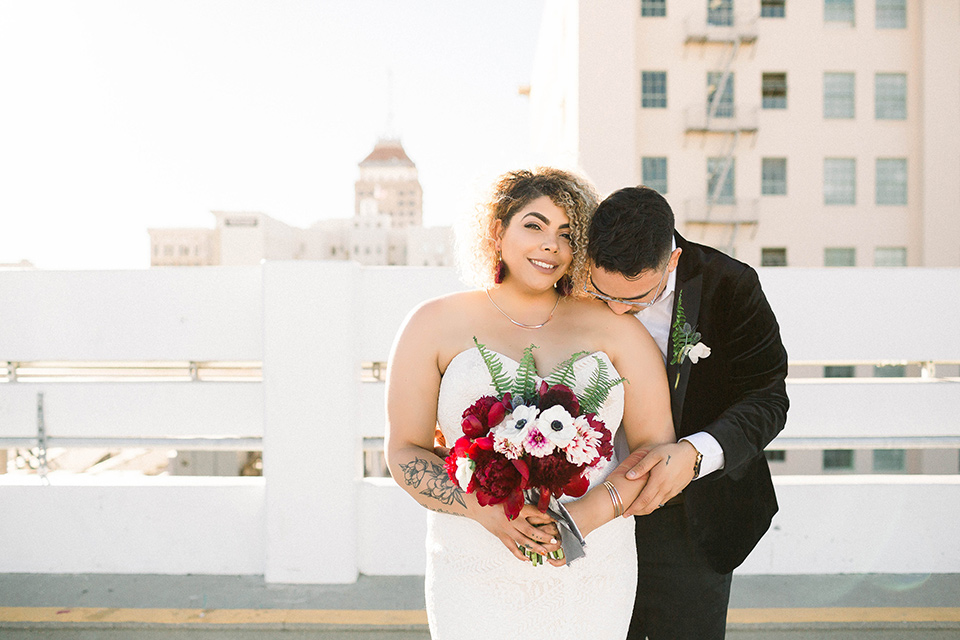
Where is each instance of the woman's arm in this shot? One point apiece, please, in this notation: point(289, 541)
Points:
point(413, 388)
point(647, 419)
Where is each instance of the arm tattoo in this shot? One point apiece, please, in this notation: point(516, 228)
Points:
point(668, 461)
point(438, 483)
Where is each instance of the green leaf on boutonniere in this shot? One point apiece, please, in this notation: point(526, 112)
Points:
point(686, 338)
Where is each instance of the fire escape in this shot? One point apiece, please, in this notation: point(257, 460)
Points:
point(721, 122)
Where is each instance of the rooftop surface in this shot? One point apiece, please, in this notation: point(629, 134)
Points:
point(182, 607)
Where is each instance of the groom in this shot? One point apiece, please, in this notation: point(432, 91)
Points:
point(726, 367)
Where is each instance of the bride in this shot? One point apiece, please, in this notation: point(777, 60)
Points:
point(529, 256)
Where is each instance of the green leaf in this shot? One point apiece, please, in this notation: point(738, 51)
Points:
point(598, 388)
point(525, 384)
point(563, 373)
point(501, 381)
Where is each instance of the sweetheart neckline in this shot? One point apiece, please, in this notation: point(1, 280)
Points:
point(517, 362)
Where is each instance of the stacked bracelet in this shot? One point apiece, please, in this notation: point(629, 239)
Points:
point(615, 498)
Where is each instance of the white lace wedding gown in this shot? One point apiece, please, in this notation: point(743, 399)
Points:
point(475, 588)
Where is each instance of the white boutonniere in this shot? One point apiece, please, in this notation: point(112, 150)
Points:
point(686, 341)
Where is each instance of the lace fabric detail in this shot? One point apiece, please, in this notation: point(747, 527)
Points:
point(475, 588)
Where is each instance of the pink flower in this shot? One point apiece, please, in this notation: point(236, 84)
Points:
point(537, 444)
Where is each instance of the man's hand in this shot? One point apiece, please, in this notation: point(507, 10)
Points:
point(670, 469)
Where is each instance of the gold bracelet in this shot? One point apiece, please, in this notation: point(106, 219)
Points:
point(615, 498)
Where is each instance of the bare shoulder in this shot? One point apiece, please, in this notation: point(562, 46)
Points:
point(434, 325)
point(620, 336)
point(440, 310)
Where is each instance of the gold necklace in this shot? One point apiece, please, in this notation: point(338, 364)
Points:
point(520, 324)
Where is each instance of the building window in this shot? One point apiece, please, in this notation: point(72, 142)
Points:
point(838, 460)
point(890, 96)
point(839, 371)
point(773, 8)
point(839, 257)
point(655, 174)
point(839, 181)
point(891, 14)
point(889, 371)
point(654, 87)
point(719, 106)
point(890, 257)
point(773, 257)
point(838, 11)
point(168, 250)
point(720, 13)
point(838, 95)
point(721, 177)
point(889, 460)
point(374, 462)
point(774, 91)
point(892, 181)
point(773, 177)
point(653, 8)
point(775, 455)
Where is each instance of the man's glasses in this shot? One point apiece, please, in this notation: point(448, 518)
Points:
point(591, 289)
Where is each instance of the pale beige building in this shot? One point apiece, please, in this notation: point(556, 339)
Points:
point(813, 133)
point(388, 191)
point(386, 228)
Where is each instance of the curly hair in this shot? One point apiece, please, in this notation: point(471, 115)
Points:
point(512, 192)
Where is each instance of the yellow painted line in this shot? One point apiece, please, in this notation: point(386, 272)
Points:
point(845, 614)
point(213, 616)
point(419, 617)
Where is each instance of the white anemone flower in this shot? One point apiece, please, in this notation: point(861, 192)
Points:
point(557, 425)
point(517, 424)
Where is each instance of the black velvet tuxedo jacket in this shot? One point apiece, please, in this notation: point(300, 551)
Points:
point(737, 394)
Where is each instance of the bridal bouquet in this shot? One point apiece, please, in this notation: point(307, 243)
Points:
point(532, 438)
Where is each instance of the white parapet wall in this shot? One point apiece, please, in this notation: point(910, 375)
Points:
point(313, 518)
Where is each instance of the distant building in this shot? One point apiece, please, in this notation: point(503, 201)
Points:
point(819, 133)
point(386, 228)
point(23, 264)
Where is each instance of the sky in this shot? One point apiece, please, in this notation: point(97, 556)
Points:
point(124, 115)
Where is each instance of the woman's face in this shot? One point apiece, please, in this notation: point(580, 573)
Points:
point(535, 245)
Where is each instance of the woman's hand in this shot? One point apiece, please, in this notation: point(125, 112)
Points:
point(531, 529)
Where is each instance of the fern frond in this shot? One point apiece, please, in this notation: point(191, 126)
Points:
point(563, 373)
point(598, 388)
point(501, 381)
point(525, 384)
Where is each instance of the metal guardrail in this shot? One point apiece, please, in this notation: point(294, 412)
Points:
point(147, 371)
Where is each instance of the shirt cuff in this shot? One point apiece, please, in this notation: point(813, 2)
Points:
point(710, 449)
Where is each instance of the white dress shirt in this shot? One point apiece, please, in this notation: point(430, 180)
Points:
point(657, 319)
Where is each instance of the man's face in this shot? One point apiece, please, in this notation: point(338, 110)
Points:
point(626, 295)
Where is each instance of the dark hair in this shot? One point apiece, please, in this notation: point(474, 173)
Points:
point(631, 232)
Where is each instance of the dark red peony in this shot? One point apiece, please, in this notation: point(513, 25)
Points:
point(561, 395)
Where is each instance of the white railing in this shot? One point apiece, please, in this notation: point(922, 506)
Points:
point(312, 517)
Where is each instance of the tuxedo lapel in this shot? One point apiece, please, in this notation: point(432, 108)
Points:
point(688, 293)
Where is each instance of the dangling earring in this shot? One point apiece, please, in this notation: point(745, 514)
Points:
point(564, 286)
point(500, 271)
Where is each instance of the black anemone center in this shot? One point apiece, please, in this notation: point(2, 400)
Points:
point(556, 425)
point(520, 423)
